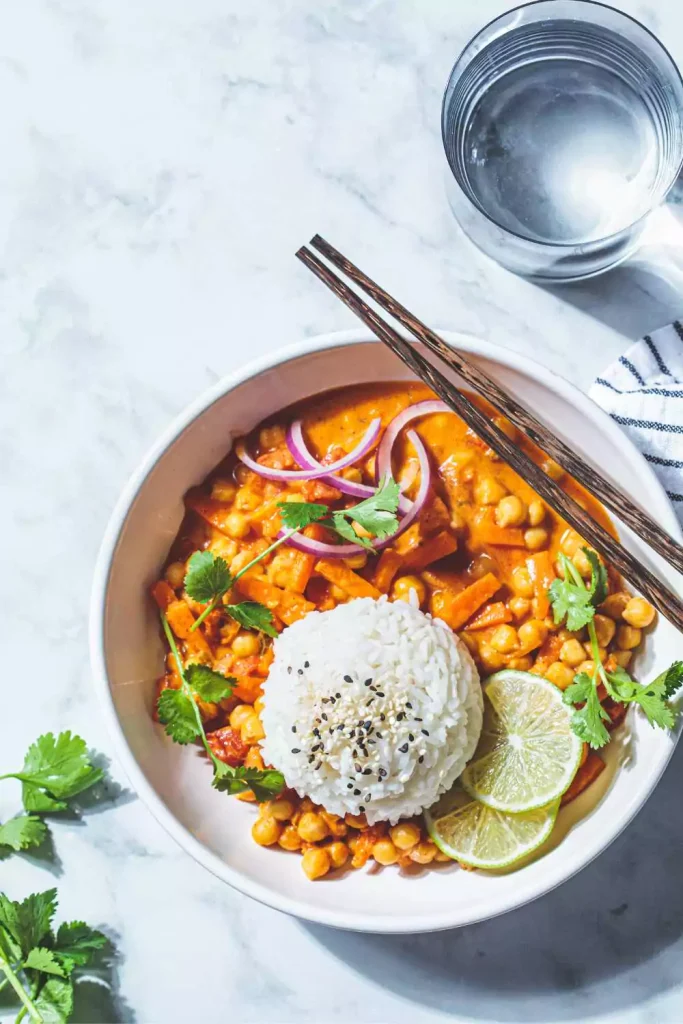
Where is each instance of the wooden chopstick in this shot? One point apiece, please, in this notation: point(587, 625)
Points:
point(610, 496)
point(611, 550)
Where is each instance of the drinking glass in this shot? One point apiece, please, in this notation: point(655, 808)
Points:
point(562, 123)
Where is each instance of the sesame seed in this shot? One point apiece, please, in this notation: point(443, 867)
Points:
point(307, 664)
point(354, 753)
point(411, 737)
point(368, 797)
point(299, 671)
point(369, 702)
point(352, 734)
point(379, 693)
point(382, 772)
point(357, 768)
point(409, 705)
point(404, 748)
point(338, 696)
point(293, 728)
point(325, 700)
point(417, 719)
point(316, 731)
point(425, 732)
point(349, 785)
point(367, 771)
point(296, 750)
point(316, 746)
point(289, 670)
point(420, 759)
point(400, 716)
point(382, 716)
point(323, 716)
point(356, 792)
point(378, 735)
point(317, 766)
point(361, 808)
point(367, 682)
point(311, 758)
point(367, 724)
point(348, 679)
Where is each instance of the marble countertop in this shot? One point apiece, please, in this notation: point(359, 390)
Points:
point(162, 161)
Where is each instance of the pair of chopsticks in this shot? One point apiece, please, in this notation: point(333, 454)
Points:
point(611, 550)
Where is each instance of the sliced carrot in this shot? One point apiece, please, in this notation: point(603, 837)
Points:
point(214, 512)
point(437, 547)
point(181, 620)
point(345, 578)
point(456, 609)
point(289, 606)
point(589, 771)
point(616, 712)
point(542, 573)
point(389, 563)
point(163, 594)
point(487, 532)
point(494, 614)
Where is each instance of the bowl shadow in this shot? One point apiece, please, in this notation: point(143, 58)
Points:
point(592, 938)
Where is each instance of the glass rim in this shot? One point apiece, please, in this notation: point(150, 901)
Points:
point(475, 202)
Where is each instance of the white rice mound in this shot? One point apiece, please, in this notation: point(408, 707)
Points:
point(339, 672)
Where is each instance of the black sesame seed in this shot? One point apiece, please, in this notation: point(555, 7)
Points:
point(382, 716)
point(378, 735)
point(332, 700)
point(299, 671)
point(317, 766)
point(369, 702)
point(293, 728)
point(316, 731)
point(379, 693)
point(354, 753)
point(349, 785)
point(324, 716)
point(348, 679)
point(400, 716)
point(382, 772)
point(317, 746)
point(352, 734)
point(409, 705)
point(367, 682)
point(404, 748)
point(417, 719)
point(368, 797)
point(356, 792)
point(361, 808)
point(411, 737)
point(307, 664)
point(367, 771)
point(420, 759)
point(370, 741)
point(338, 696)
point(425, 732)
point(296, 750)
point(289, 670)
point(357, 767)
point(368, 724)
point(325, 700)
point(311, 759)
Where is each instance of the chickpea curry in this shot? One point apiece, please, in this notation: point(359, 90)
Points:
point(481, 555)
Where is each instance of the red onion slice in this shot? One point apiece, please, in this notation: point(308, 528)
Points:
point(322, 550)
point(297, 447)
point(361, 449)
point(413, 412)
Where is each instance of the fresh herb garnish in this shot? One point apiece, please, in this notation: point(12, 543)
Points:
point(572, 599)
point(180, 714)
point(208, 577)
point(55, 770)
point(38, 963)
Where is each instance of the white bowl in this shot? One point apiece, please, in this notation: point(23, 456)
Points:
point(127, 651)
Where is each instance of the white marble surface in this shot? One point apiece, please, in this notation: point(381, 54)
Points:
point(161, 162)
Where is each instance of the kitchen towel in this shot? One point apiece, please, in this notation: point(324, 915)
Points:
point(643, 392)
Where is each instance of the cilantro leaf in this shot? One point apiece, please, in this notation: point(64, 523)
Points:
point(208, 577)
point(344, 528)
point(208, 685)
point(619, 684)
point(22, 832)
point(55, 1001)
point(60, 767)
point(598, 587)
point(669, 681)
point(298, 515)
point(657, 710)
point(377, 514)
point(253, 615)
point(588, 721)
point(42, 959)
point(651, 697)
point(570, 600)
point(28, 922)
point(75, 944)
point(177, 714)
point(578, 691)
point(263, 784)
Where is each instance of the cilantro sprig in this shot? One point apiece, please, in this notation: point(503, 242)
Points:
point(209, 579)
point(40, 963)
point(180, 714)
point(576, 602)
point(55, 770)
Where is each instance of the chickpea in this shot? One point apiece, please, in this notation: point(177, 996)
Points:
point(572, 653)
point(570, 542)
point(281, 810)
point(551, 469)
point(244, 475)
point(353, 474)
point(254, 759)
point(385, 852)
point(405, 835)
point(316, 862)
point(236, 525)
point(294, 499)
point(358, 561)
point(266, 831)
point(239, 715)
point(252, 731)
point(312, 827)
point(423, 853)
point(338, 594)
point(628, 637)
point(605, 628)
point(602, 652)
point(224, 547)
point(246, 644)
point(223, 490)
point(586, 666)
point(521, 664)
point(615, 604)
point(356, 820)
point(175, 574)
point(504, 639)
point(622, 658)
point(510, 511)
point(290, 839)
point(488, 491)
point(247, 500)
point(522, 583)
point(638, 612)
point(491, 659)
point(536, 512)
point(519, 606)
point(580, 560)
point(271, 437)
point(338, 854)
point(404, 585)
point(560, 674)
point(532, 634)
point(536, 538)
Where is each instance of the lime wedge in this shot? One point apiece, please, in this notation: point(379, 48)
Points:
point(481, 837)
point(527, 755)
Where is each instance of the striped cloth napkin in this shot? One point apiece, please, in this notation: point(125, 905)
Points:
point(643, 392)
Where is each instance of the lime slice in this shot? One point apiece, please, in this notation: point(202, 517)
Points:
point(527, 754)
point(481, 837)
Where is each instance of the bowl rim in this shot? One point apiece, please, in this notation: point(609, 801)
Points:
point(405, 922)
